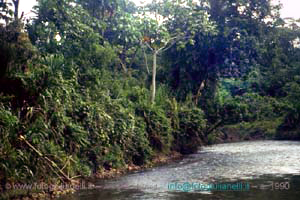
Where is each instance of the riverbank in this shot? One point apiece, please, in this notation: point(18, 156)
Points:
point(225, 134)
point(244, 131)
point(44, 191)
point(156, 161)
point(159, 159)
point(221, 135)
point(258, 163)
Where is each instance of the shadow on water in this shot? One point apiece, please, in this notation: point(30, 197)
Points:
point(270, 168)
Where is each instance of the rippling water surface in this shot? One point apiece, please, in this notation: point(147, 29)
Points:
point(270, 168)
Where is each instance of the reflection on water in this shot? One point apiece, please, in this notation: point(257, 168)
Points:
point(268, 166)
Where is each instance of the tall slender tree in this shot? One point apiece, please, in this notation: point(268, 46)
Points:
point(174, 22)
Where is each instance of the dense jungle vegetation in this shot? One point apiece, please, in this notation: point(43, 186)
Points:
point(90, 85)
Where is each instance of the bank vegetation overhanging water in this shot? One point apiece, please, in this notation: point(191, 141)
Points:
point(89, 87)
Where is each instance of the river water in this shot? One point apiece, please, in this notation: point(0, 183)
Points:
point(255, 170)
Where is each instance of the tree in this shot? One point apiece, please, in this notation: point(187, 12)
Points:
point(123, 31)
point(16, 6)
point(7, 13)
point(174, 22)
point(64, 27)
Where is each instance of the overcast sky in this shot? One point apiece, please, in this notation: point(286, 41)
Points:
point(291, 8)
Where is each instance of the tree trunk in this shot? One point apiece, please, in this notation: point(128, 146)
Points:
point(154, 76)
point(16, 11)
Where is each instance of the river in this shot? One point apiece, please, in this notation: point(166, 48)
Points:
point(254, 170)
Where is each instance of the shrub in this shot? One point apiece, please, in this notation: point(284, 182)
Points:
point(189, 132)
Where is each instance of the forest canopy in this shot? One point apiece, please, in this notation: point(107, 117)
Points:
point(91, 85)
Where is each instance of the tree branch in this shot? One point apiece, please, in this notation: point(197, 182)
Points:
point(149, 46)
point(162, 48)
point(50, 163)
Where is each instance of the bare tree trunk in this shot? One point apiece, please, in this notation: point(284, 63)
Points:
point(146, 61)
point(154, 76)
point(16, 12)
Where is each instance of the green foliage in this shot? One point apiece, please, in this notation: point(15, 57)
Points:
point(239, 101)
point(63, 28)
point(74, 113)
point(6, 13)
point(15, 49)
point(262, 128)
point(14, 165)
point(250, 107)
point(290, 128)
point(158, 126)
point(189, 127)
